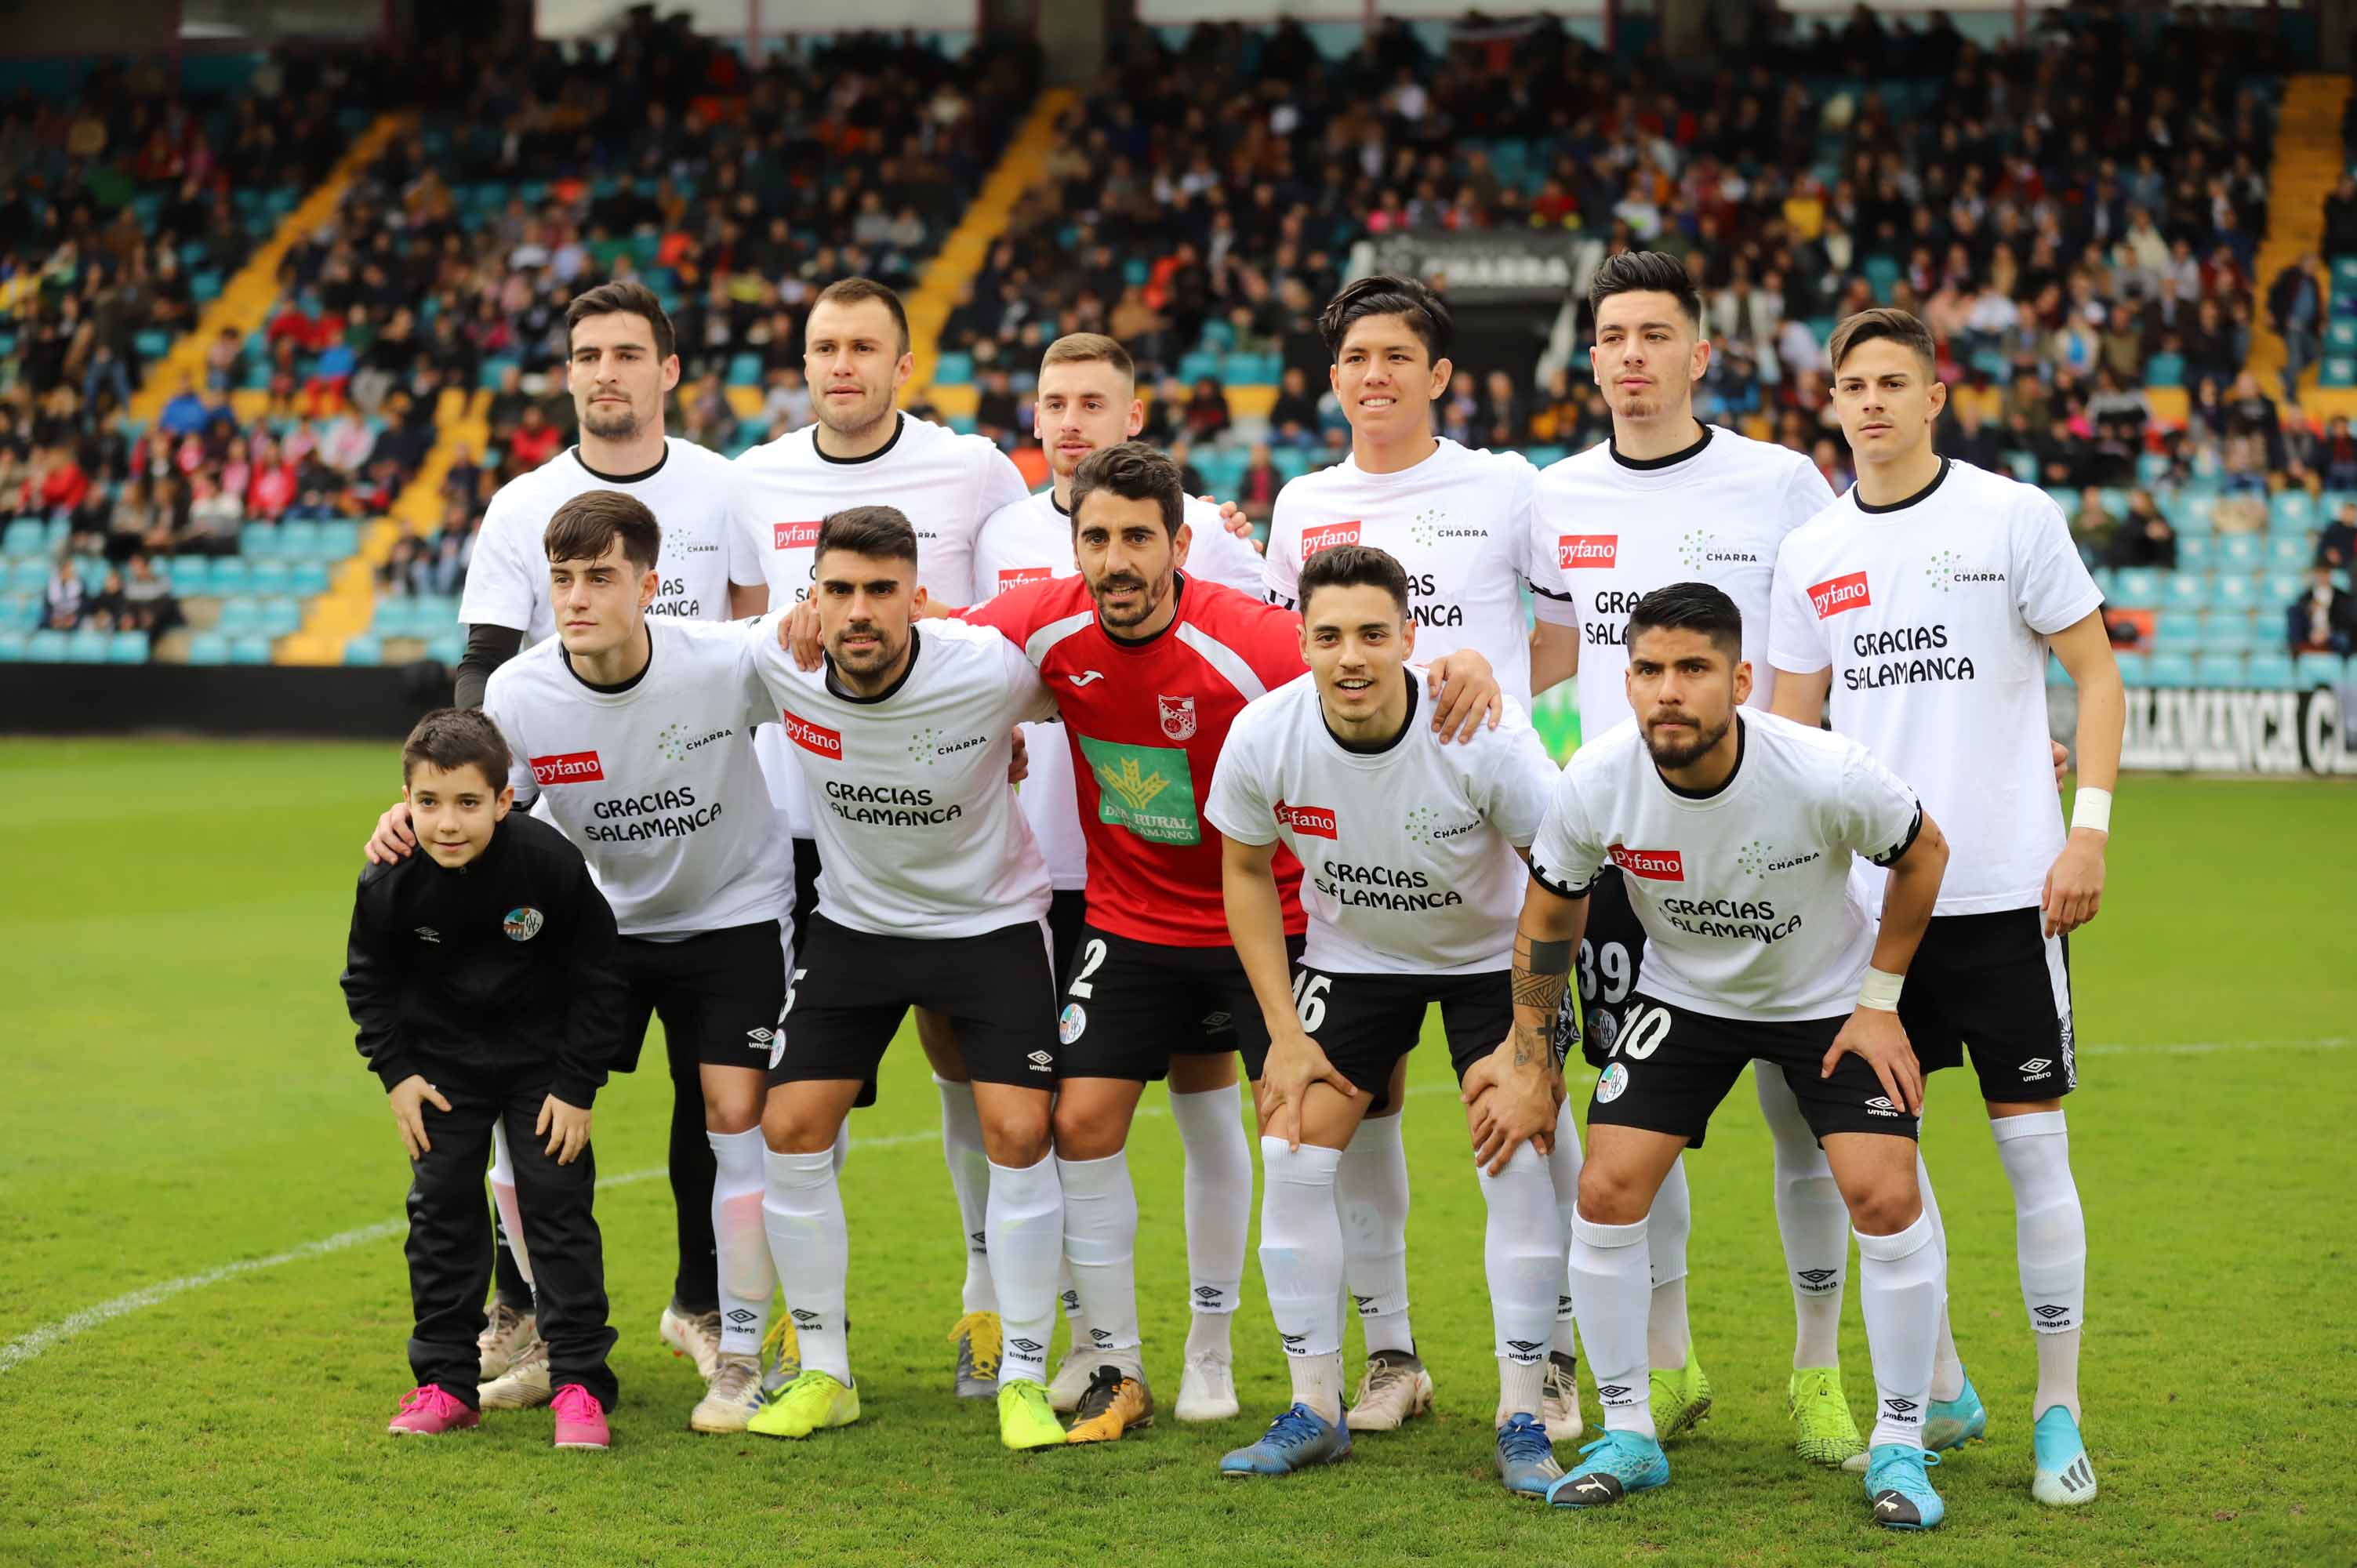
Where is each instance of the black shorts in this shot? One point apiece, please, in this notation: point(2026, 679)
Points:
point(853, 988)
point(1130, 1006)
point(1365, 1023)
point(1999, 983)
point(720, 994)
point(1612, 951)
point(1068, 911)
point(1670, 1067)
point(805, 890)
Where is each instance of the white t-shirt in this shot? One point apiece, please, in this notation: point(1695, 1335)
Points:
point(1746, 895)
point(1033, 539)
point(655, 782)
point(1615, 529)
point(506, 582)
point(917, 828)
point(944, 483)
point(1462, 524)
point(1934, 616)
point(1407, 854)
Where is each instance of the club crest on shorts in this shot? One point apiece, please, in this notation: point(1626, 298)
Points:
point(1613, 1085)
point(1071, 1023)
point(1177, 716)
point(1605, 1028)
point(523, 925)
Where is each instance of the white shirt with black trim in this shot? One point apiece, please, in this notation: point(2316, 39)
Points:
point(1408, 852)
point(1462, 524)
point(1613, 528)
point(507, 580)
point(1932, 615)
point(1745, 894)
point(917, 827)
point(944, 483)
point(1033, 539)
point(654, 779)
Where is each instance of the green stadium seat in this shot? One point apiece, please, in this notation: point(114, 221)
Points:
point(954, 371)
point(2232, 591)
point(2184, 590)
point(2271, 670)
point(2216, 670)
point(1882, 273)
point(2227, 632)
point(339, 541)
point(2320, 669)
point(448, 648)
point(2337, 371)
point(24, 537)
point(309, 577)
point(365, 649)
point(238, 618)
point(269, 577)
point(2240, 553)
point(208, 647)
point(206, 284)
point(2139, 586)
point(298, 541)
point(2341, 334)
point(1546, 457)
point(228, 576)
point(30, 575)
point(1194, 366)
point(2135, 667)
point(87, 645)
point(2169, 670)
point(492, 368)
point(2282, 587)
point(2179, 631)
point(46, 647)
point(2344, 273)
point(280, 615)
point(2196, 553)
point(19, 612)
point(2165, 370)
point(258, 541)
point(249, 650)
point(12, 647)
point(127, 648)
point(1219, 337)
point(2292, 512)
point(745, 369)
point(2291, 552)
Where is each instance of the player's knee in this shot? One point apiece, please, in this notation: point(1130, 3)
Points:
point(733, 1107)
point(1084, 1132)
point(1611, 1195)
point(787, 1128)
point(1016, 1139)
point(1885, 1205)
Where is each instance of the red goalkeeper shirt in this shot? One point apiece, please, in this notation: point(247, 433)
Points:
point(1146, 722)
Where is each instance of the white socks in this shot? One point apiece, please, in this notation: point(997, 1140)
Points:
point(1812, 1218)
point(747, 1278)
point(1668, 1225)
point(1370, 1189)
point(1902, 1283)
point(1608, 1270)
point(1025, 1220)
point(803, 1209)
point(970, 1180)
point(1947, 1369)
point(1301, 1255)
point(1564, 1164)
point(1219, 1209)
point(504, 1196)
point(1101, 1244)
point(1522, 1253)
point(2050, 1235)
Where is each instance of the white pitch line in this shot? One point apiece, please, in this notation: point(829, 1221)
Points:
point(25, 1347)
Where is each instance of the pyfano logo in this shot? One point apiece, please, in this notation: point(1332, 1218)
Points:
point(793, 535)
point(1313, 539)
point(1315, 822)
point(1008, 576)
point(1653, 865)
point(1576, 550)
point(1835, 595)
point(568, 768)
point(811, 737)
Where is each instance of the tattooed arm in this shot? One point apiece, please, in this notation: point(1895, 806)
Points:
point(1512, 1093)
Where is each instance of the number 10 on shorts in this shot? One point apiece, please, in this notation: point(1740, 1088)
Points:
point(1642, 1030)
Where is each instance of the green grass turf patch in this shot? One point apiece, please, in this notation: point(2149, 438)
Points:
point(182, 1095)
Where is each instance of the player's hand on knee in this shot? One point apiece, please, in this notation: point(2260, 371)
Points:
point(408, 1100)
point(1513, 1104)
point(567, 1128)
point(1295, 1062)
point(393, 840)
point(1875, 1035)
point(798, 635)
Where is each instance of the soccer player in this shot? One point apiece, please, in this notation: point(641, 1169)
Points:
point(932, 894)
point(1671, 500)
point(1408, 849)
point(632, 733)
point(1149, 668)
point(1926, 601)
point(1087, 399)
point(863, 450)
point(1735, 833)
point(1460, 521)
point(621, 365)
point(481, 977)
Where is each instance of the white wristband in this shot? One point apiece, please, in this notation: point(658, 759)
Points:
point(1879, 991)
point(2091, 809)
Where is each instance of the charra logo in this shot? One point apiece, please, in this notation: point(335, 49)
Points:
point(676, 740)
point(1942, 570)
point(1758, 857)
point(1431, 527)
point(1700, 548)
point(921, 745)
point(1425, 826)
point(1134, 786)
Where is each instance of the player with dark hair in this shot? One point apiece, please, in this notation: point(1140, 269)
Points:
point(1925, 604)
point(1408, 848)
point(1736, 831)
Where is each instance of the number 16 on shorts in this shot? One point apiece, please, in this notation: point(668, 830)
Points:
point(1309, 998)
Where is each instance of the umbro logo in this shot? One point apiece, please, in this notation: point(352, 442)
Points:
point(2049, 1312)
point(428, 934)
point(1614, 1392)
point(1816, 1279)
point(1293, 1341)
point(1041, 1061)
point(1209, 1293)
point(1900, 1407)
point(1363, 1302)
point(1881, 1103)
point(1521, 1347)
point(740, 1317)
point(759, 1036)
point(2035, 1066)
point(1026, 1346)
point(978, 1238)
point(1100, 1336)
point(803, 1317)
point(1085, 676)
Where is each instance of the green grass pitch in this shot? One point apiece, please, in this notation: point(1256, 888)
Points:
point(181, 1098)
